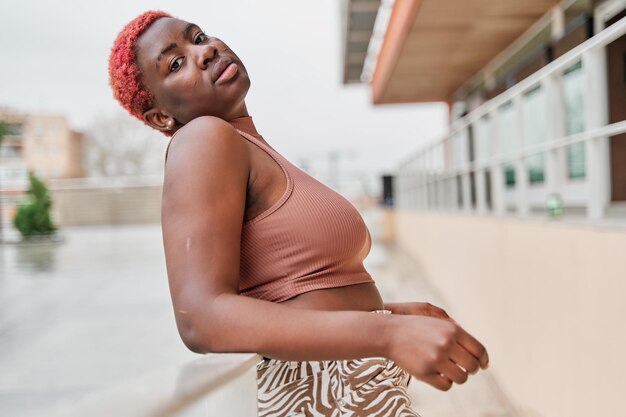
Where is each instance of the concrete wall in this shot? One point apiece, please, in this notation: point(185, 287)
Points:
point(547, 299)
point(94, 205)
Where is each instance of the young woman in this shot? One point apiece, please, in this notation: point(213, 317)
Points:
point(263, 258)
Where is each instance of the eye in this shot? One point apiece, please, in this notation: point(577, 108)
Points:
point(200, 37)
point(176, 63)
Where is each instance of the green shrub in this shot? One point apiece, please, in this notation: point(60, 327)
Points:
point(33, 217)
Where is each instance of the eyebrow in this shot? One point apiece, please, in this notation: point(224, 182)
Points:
point(173, 45)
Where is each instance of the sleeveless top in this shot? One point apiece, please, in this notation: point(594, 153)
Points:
point(311, 238)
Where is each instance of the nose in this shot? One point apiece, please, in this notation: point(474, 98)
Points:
point(206, 53)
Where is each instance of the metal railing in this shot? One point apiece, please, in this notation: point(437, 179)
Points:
point(430, 179)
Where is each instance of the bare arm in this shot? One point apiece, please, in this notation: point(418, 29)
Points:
point(203, 208)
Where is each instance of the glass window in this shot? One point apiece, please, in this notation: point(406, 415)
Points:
point(10, 152)
point(506, 142)
point(574, 119)
point(534, 132)
point(14, 129)
point(16, 174)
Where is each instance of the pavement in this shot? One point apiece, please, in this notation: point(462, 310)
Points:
point(93, 311)
point(82, 315)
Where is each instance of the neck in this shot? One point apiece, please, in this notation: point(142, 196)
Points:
point(240, 111)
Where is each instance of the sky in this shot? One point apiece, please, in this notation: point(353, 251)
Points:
point(54, 57)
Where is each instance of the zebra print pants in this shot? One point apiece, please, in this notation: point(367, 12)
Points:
point(369, 387)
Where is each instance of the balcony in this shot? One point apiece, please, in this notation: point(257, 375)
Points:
point(550, 135)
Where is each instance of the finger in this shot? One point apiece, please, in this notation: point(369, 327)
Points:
point(474, 347)
point(438, 381)
point(435, 311)
point(463, 358)
point(453, 372)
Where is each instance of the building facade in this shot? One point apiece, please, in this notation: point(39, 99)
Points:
point(43, 144)
point(518, 213)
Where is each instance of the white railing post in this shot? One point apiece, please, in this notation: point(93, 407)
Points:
point(521, 171)
point(481, 192)
point(407, 193)
point(433, 179)
point(479, 158)
point(596, 115)
point(497, 179)
point(407, 184)
point(555, 128)
point(427, 176)
point(436, 175)
point(432, 176)
point(448, 162)
point(398, 189)
point(441, 189)
point(411, 183)
point(464, 163)
point(404, 186)
point(423, 190)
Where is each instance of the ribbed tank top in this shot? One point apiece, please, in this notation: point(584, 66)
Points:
point(312, 238)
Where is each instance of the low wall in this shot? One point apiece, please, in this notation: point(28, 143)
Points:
point(547, 299)
point(112, 201)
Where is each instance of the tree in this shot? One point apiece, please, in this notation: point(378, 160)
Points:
point(33, 217)
point(118, 145)
point(4, 130)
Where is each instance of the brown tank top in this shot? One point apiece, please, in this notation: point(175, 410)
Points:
point(311, 238)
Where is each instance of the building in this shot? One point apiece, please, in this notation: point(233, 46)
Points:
point(536, 93)
point(43, 144)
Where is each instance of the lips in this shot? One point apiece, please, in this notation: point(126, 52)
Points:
point(219, 67)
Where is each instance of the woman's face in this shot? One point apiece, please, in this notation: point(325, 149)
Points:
point(190, 74)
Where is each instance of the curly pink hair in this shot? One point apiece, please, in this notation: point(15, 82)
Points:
point(124, 73)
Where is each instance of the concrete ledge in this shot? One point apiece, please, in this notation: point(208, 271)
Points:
point(223, 384)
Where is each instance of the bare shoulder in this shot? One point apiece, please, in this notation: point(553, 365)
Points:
point(205, 137)
point(208, 164)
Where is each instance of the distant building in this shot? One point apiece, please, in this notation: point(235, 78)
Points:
point(43, 144)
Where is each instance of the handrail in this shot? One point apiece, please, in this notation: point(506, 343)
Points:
point(501, 159)
point(600, 40)
point(169, 392)
point(426, 178)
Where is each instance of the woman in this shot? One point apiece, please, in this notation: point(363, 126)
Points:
point(262, 257)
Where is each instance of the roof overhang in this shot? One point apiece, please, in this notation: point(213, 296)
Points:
point(359, 19)
point(431, 47)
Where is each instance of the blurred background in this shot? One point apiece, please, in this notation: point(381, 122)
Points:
point(482, 141)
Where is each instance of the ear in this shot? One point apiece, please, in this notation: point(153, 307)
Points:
point(159, 120)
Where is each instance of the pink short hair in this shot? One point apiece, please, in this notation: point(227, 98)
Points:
point(124, 73)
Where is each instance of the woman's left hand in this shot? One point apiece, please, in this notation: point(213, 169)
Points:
point(418, 309)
